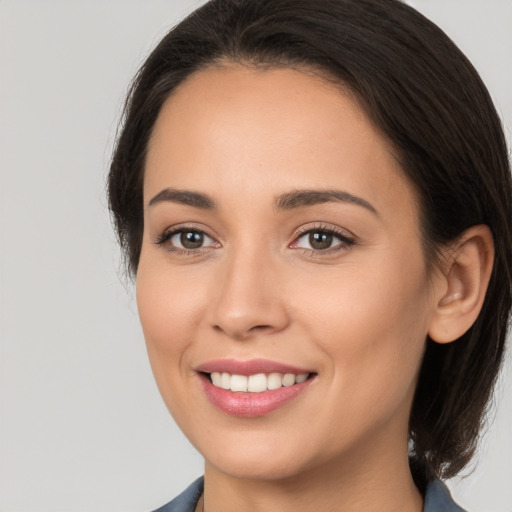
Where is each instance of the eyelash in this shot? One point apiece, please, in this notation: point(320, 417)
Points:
point(167, 235)
point(346, 241)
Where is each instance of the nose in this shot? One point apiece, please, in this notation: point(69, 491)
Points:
point(250, 297)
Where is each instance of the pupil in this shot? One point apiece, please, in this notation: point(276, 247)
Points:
point(191, 239)
point(320, 240)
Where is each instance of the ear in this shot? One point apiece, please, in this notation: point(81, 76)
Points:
point(463, 284)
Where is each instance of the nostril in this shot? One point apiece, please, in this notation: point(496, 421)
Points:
point(239, 332)
point(260, 327)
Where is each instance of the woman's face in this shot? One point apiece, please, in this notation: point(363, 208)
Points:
point(280, 237)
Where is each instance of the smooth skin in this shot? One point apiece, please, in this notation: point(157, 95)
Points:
point(238, 274)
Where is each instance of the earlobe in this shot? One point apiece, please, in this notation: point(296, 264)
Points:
point(463, 284)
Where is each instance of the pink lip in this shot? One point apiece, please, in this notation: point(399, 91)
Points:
point(251, 367)
point(250, 405)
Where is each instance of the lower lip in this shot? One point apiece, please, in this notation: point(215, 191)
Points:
point(251, 405)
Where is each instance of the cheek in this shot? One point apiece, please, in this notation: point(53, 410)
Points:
point(371, 322)
point(169, 308)
point(168, 304)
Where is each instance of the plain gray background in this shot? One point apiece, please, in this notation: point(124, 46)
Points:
point(82, 425)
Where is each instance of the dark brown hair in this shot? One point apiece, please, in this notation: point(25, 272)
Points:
point(427, 99)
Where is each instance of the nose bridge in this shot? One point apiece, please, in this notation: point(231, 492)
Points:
point(248, 298)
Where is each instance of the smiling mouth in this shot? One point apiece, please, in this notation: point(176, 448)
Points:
point(255, 394)
point(257, 383)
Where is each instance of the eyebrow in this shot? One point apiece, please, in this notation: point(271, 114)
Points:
point(188, 197)
point(288, 201)
point(300, 198)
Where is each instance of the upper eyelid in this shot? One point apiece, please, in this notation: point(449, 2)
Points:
point(343, 233)
point(172, 230)
point(172, 234)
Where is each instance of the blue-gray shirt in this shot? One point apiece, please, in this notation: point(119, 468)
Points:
point(437, 499)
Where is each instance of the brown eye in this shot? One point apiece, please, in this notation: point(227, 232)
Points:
point(186, 240)
point(191, 239)
point(323, 240)
point(319, 240)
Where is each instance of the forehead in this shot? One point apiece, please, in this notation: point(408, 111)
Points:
point(263, 131)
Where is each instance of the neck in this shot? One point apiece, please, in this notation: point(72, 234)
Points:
point(371, 482)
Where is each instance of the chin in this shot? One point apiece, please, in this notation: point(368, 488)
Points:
point(266, 460)
point(263, 469)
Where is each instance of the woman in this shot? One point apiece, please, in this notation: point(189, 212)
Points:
point(314, 198)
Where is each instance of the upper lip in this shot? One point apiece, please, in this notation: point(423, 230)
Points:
point(251, 367)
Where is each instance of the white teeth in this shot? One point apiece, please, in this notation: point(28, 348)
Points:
point(288, 379)
point(239, 383)
point(256, 383)
point(225, 382)
point(275, 381)
point(216, 379)
point(301, 378)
